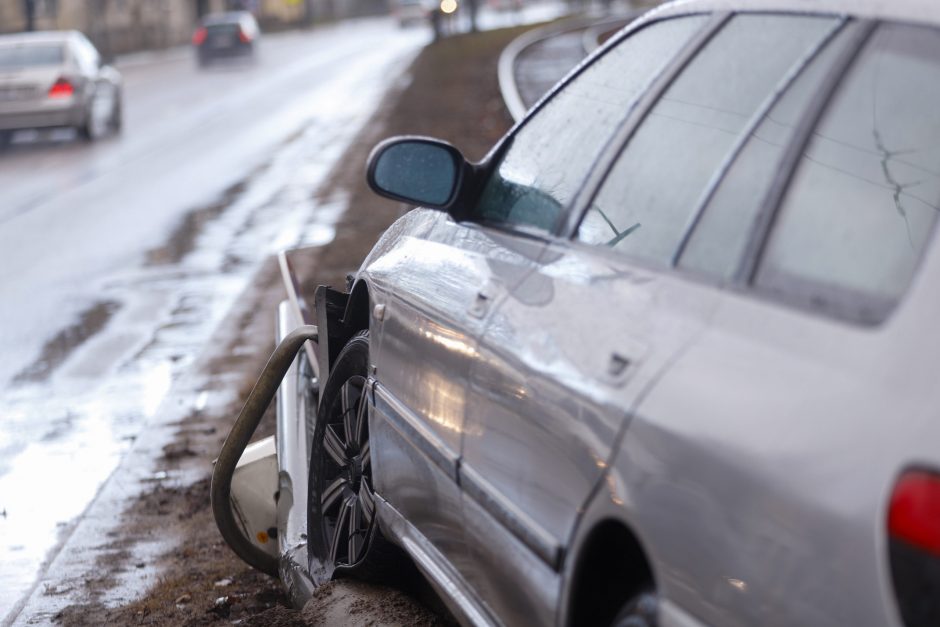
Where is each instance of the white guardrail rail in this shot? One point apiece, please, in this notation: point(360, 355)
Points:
point(593, 28)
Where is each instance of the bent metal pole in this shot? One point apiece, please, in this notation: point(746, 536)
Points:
point(246, 423)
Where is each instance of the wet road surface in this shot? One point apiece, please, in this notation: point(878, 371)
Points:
point(117, 259)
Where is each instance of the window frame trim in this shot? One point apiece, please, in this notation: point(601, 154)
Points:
point(783, 87)
point(849, 305)
point(766, 216)
point(600, 170)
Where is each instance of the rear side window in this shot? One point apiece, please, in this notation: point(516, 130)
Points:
point(226, 28)
point(718, 244)
point(31, 55)
point(648, 200)
point(551, 155)
point(864, 199)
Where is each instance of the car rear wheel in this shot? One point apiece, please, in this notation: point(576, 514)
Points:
point(640, 611)
point(89, 130)
point(342, 534)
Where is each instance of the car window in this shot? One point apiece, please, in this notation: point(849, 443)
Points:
point(864, 199)
point(552, 153)
point(718, 242)
point(648, 199)
point(20, 56)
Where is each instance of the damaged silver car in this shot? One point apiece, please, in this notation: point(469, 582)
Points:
point(666, 356)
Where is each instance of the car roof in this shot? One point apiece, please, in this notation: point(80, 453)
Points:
point(37, 37)
point(924, 11)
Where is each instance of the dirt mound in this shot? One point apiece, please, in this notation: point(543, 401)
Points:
point(349, 602)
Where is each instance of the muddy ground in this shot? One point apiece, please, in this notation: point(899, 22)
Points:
point(451, 92)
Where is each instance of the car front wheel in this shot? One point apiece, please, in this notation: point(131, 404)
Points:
point(342, 534)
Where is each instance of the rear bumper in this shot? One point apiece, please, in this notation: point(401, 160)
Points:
point(42, 117)
point(206, 52)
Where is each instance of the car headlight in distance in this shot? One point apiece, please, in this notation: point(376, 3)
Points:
point(914, 546)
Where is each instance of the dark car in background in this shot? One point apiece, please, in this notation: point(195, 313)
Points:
point(225, 36)
point(56, 79)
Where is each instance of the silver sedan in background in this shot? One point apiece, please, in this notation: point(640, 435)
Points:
point(57, 79)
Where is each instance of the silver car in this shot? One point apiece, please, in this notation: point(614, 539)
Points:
point(668, 355)
point(57, 79)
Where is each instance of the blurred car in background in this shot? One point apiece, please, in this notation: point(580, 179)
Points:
point(225, 36)
point(57, 79)
point(411, 12)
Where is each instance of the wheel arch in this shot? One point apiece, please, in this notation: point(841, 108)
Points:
point(610, 567)
point(356, 317)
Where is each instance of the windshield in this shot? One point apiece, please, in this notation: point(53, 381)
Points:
point(31, 55)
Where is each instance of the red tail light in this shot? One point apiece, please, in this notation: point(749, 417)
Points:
point(914, 547)
point(914, 516)
point(199, 37)
point(243, 36)
point(61, 89)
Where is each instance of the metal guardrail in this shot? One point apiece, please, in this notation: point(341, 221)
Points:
point(593, 29)
point(591, 38)
point(507, 59)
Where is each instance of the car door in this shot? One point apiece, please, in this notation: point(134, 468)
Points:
point(427, 289)
point(574, 346)
point(761, 465)
point(438, 286)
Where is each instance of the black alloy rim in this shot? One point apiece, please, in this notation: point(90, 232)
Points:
point(347, 502)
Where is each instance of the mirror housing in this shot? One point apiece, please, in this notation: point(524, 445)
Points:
point(417, 170)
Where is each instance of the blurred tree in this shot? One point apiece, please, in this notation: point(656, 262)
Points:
point(29, 7)
point(472, 6)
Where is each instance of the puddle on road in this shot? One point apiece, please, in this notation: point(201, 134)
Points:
point(183, 239)
point(55, 351)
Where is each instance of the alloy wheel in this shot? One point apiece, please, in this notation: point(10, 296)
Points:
point(347, 502)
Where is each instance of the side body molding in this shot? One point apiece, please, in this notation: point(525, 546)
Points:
point(526, 530)
point(404, 421)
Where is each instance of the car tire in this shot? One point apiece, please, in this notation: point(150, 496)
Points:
point(640, 611)
point(342, 535)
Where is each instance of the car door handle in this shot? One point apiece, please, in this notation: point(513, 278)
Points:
point(480, 305)
point(620, 368)
point(484, 297)
point(618, 365)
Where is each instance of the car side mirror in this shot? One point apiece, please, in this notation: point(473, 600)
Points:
point(417, 170)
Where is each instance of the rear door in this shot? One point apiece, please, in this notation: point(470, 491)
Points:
point(760, 466)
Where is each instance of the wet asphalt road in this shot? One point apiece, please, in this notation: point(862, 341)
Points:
point(118, 258)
